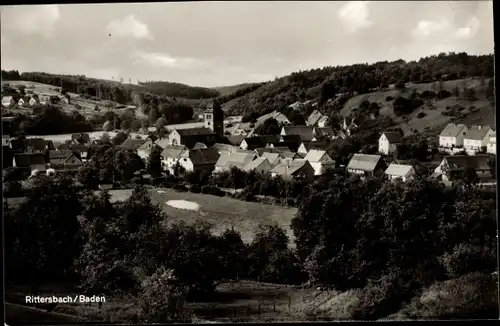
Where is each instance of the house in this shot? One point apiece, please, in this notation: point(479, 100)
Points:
point(32, 145)
point(238, 160)
point(305, 132)
point(388, 142)
point(64, 160)
point(170, 155)
point(476, 139)
point(320, 161)
point(199, 146)
point(21, 102)
point(252, 143)
point(454, 166)
point(452, 136)
point(30, 161)
point(234, 140)
point(491, 147)
point(365, 164)
point(32, 101)
point(313, 118)
point(132, 144)
point(236, 130)
point(233, 119)
point(294, 168)
point(182, 126)
point(273, 158)
point(198, 160)
point(82, 151)
point(224, 148)
point(145, 149)
point(189, 137)
point(162, 142)
point(323, 121)
point(8, 101)
point(306, 146)
point(81, 138)
point(259, 165)
point(400, 171)
point(323, 133)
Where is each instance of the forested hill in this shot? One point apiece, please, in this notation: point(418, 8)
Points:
point(325, 83)
point(112, 90)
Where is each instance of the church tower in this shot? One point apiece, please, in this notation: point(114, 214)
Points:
point(214, 119)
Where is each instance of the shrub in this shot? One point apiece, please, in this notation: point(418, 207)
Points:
point(421, 115)
point(427, 95)
point(211, 190)
point(179, 187)
point(442, 94)
point(195, 188)
point(467, 258)
point(389, 98)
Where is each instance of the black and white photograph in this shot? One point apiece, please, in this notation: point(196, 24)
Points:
point(249, 161)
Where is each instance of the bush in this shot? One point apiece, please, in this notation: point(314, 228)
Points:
point(443, 94)
point(195, 188)
point(179, 187)
point(427, 95)
point(389, 98)
point(466, 258)
point(421, 115)
point(212, 190)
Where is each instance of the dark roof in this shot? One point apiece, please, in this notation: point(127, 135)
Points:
point(477, 132)
point(364, 162)
point(291, 138)
point(26, 160)
point(33, 144)
point(64, 146)
point(325, 131)
point(320, 144)
point(199, 145)
point(235, 139)
point(290, 145)
point(173, 151)
point(204, 156)
point(305, 132)
point(194, 132)
point(132, 144)
point(462, 162)
point(393, 137)
point(58, 154)
point(261, 141)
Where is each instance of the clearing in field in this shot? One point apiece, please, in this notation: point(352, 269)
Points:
point(183, 204)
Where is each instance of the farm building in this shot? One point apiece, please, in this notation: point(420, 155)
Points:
point(476, 139)
point(306, 133)
point(289, 169)
point(313, 118)
point(455, 166)
point(365, 164)
point(198, 160)
point(388, 142)
point(238, 160)
point(320, 161)
point(399, 171)
point(452, 136)
point(259, 165)
point(189, 137)
point(170, 156)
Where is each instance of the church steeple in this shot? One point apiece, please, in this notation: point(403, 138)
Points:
point(214, 118)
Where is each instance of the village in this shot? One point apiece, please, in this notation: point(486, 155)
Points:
point(217, 144)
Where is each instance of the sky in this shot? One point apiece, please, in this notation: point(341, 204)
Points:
point(226, 43)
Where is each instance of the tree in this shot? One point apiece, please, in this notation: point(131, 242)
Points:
point(152, 115)
point(154, 162)
point(268, 127)
point(297, 119)
point(119, 138)
point(89, 177)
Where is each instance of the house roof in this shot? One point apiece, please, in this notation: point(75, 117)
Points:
point(314, 118)
point(194, 132)
point(261, 141)
point(325, 131)
point(305, 132)
point(398, 170)
point(291, 138)
point(132, 144)
point(235, 139)
point(289, 167)
point(477, 132)
point(85, 137)
point(162, 142)
point(181, 126)
point(323, 119)
point(203, 156)
point(35, 144)
point(273, 158)
point(393, 137)
point(147, 145)
point(199, 145)
point(26, 160)
point(452, 130)
point(315, 155)
point(364, 162)
point(239, 160)
point(462, 162)
point(256, 163)
point(5, 141)
point(173, 151)
point(224, 147)
point(320, 144)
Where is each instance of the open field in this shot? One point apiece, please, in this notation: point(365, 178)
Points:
point(223, 213)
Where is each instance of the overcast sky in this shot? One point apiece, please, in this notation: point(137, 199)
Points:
point(225, 43)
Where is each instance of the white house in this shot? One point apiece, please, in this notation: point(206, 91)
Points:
point(320, 161)
point(476, 139)
point(259, 165)
point(20, 102)
point(313, 118)
point(7, 101)
point(170, 155)
point(323, 121)
point(452, 136)
point(388, 142)
point(145, 149)
point(198, 159)
point(399, 171)
point(491, 147)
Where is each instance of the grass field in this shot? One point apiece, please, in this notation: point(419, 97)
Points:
point(223, 213)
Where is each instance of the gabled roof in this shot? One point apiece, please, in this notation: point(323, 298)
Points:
point(462, 162)
point(199, 145)
point(256, 163)
point(477, 132)
point(147, 145)
point(261, 141)
point(323, 119)
point(324, 131)
point(452, 130)
point(393, 137)
point(364, 162)
point(320, 144)
point(290, 167)
point(305, 132)
point(203, 156)
point(5, 141)
point(398, 170)
point(240, 160)
point(194, 132)
point(173, 151)
point(58, 154)
point(162, 142)
point(314, 118)
point(33, 144)
point(315, 155)
point(132, 144)
point(235, 139)
point(291, 138)
point(273, 158)
point(181, 126)
point(26, 160)
point(219, 147)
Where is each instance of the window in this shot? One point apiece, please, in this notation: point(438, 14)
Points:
point(209, 116)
